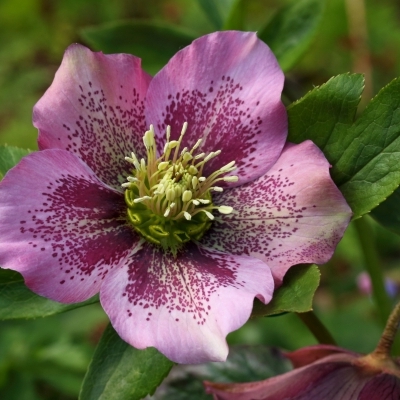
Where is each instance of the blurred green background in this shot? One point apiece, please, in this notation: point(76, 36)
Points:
point(47, 358)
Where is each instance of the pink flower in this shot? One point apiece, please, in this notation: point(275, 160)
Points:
point(322, 372)
point(179, 261)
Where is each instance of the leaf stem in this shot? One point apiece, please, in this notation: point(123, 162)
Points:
point(317, 328)
point(372, 264)
point(386, 341)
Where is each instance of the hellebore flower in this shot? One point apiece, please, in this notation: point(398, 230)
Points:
point(327, 372)
point(177, 245)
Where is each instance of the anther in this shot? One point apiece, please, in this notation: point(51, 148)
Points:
point(148, 138)
point(209, 215)
point(133, 160)
point(225, 209)
point(184, 128)
point(198, 143)
point(141, 199)
point(184, 150)
point(212, 155)
point(228, 167)
point(232, 178)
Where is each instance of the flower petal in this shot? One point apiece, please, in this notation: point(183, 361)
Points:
point(185, 306)
point(227, 86)
point(309, 354)
point(293, 214)
point(95, 109)
point(60, 227)
point(333, 378)
point(381, 387)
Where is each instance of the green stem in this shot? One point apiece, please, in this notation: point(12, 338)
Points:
point(372, 264)
point(386, 341)
point(317, 328)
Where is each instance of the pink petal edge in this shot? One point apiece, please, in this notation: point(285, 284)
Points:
point(184, 307)
point(60, 227)
point(227, 86)
point(293, 214)
point(95, 109)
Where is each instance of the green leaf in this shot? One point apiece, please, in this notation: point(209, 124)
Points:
point(291, 31)
point(17, 301)
point(9, 157)
point(244, 364)
point(119, 371)
point(325, 114)
point(295, 294)
point(154, 42)
point(211, 10)
point(368, 170)
point(365, 154)
point(235, 18)
point(388, 213)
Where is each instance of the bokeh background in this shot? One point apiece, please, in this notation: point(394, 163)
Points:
point(47, 358)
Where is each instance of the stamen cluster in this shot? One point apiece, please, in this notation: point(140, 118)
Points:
point(172, 192)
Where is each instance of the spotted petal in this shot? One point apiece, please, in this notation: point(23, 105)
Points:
point(60, 227)
point(293, 214)
point(227, 86)
point(95, 109)
point(185, 306)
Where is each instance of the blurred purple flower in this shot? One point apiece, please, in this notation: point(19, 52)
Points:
point(365, 286)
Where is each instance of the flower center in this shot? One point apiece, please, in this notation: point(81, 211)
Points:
point(169, 200)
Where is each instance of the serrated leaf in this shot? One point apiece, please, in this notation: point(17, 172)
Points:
point(154, 42)
point(295, 294)
point(325, 114)
point(364, 155)
point(17, 301)
point(211, 9)
point(292, 29)
point(9, 157)
point(244, 364)
point(388, 213)
point(368, 170)
point(119, 371)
